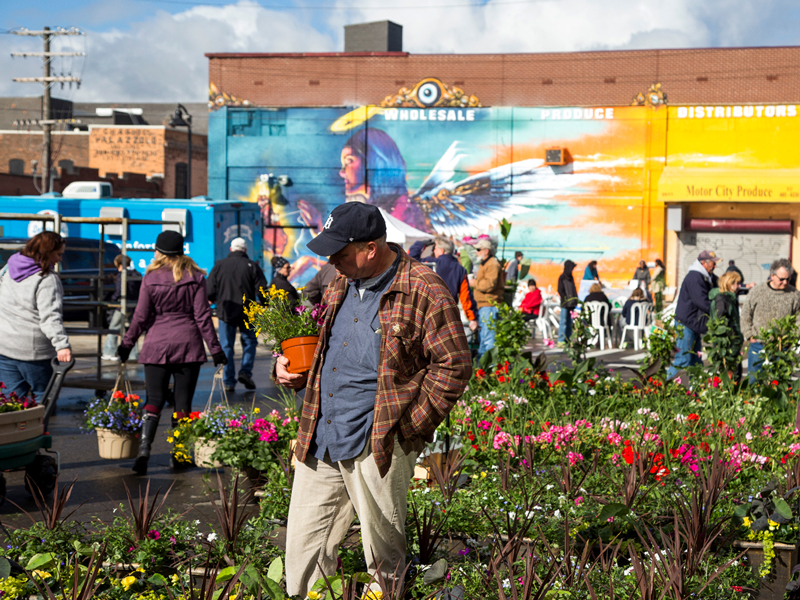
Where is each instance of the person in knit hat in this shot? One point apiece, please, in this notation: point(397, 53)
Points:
point(765, 303)
point(280, 278)
point(173, 309)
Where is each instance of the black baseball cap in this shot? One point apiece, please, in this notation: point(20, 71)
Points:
point(349, 222)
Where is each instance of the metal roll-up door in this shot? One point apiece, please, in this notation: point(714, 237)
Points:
point(752, 251)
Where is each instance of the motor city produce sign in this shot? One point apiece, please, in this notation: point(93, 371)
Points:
point(691, 185)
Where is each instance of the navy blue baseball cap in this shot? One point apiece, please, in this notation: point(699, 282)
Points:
point(347, 223)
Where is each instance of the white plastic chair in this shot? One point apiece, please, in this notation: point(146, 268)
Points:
point(640, 313)
point(599, 313)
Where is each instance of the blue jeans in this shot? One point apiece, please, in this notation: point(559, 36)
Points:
point(486, 315)
point(754, 360)
point(689, 344)
point(227, 337)
point(25, 376)
point(565, 324)
point(112, 339)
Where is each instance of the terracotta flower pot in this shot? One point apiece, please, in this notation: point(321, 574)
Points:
point(115, 445)
point(300, 352)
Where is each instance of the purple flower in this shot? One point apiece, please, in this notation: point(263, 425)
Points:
point(153, 534)
point(464, 552)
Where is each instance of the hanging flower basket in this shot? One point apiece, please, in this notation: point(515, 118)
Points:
point(116, 445)
point(300, 352)
point(203, 449)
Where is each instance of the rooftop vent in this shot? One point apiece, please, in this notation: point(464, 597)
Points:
point(380, 36)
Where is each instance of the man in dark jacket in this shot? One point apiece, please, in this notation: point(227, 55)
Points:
point(569, 300)
point(232, 279)
point(315, 288)
point(449, 268)
point(692, 311)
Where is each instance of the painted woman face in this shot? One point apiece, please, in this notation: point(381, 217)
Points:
point(352, 171)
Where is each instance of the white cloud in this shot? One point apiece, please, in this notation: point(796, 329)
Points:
point(161, 56)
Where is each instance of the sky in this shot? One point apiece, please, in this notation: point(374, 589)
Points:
point(154, 50)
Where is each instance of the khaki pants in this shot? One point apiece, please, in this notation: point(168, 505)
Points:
point(324, 497)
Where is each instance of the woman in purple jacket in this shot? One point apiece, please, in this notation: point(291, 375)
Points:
point(173, 310)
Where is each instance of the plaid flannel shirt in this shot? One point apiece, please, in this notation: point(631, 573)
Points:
point(424, 364)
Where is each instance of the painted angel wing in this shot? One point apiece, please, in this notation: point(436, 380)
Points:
point(476, 202)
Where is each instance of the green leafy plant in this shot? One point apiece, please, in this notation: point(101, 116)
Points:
point(781, 360)
point(510, 336)
point(661, 346)
point(723, 348)
point(582, 335)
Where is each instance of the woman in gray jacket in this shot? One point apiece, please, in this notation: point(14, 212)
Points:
point(32, 328)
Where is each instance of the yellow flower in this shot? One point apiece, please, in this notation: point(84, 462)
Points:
point(773, 525)
point(373, 595)
point(42, 574)
point(256, 410)
point(177, 434)
point(169, 440)
point(312, 595)
point(483, 474)
point(174, 578)
point(128, 582)
point(746, 521)
point(139, 570)
point(136, 405)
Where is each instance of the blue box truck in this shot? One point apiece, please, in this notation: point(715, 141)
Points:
point(207, 225)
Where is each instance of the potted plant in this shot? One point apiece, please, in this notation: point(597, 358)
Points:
point(288, 329)
point(20, 417)
point(200, 432)
point(117, 422)
point(771, 545)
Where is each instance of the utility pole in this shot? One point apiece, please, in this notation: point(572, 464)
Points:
point(48, 81)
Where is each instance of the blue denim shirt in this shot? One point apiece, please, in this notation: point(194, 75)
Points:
point(349, 382)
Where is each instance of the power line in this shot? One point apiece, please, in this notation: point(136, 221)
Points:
point(345, 8)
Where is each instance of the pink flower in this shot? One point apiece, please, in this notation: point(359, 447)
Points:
point(574, 458)
point(578, 500)
point(235, 423)
point(285, 422)
point(153, 534)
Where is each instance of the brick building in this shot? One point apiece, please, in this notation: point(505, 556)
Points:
point(691, 76)
point(112, 141)
point(658, 152)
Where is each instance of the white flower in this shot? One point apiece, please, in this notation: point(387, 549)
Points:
point(506, 583)
point(512, 515)
point(557, 514)
point(627, 571)
point(529, 514)
point(592, 392)
point(212, 537)
point(549, 487)
point(197, 522)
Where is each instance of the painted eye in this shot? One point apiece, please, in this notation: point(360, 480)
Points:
point(429, 93)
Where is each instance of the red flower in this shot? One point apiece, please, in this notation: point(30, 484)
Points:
point(628, 455)
point(693, 417)
point(774, 382)
point(480, 373)
point(501, 379)
point(489, 409)
point(737, 588)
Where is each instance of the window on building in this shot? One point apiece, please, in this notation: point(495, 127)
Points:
point(181, 180)
point(67, 166)
point(16, 166)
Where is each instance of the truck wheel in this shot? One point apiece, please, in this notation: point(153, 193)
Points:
point(42, 471)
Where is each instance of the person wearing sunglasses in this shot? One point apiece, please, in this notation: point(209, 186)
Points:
point(692, 311)
point(774, 299)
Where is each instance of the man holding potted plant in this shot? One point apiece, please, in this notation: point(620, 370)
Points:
point(391, 362)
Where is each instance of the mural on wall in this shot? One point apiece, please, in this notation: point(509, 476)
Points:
point(451, 168)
